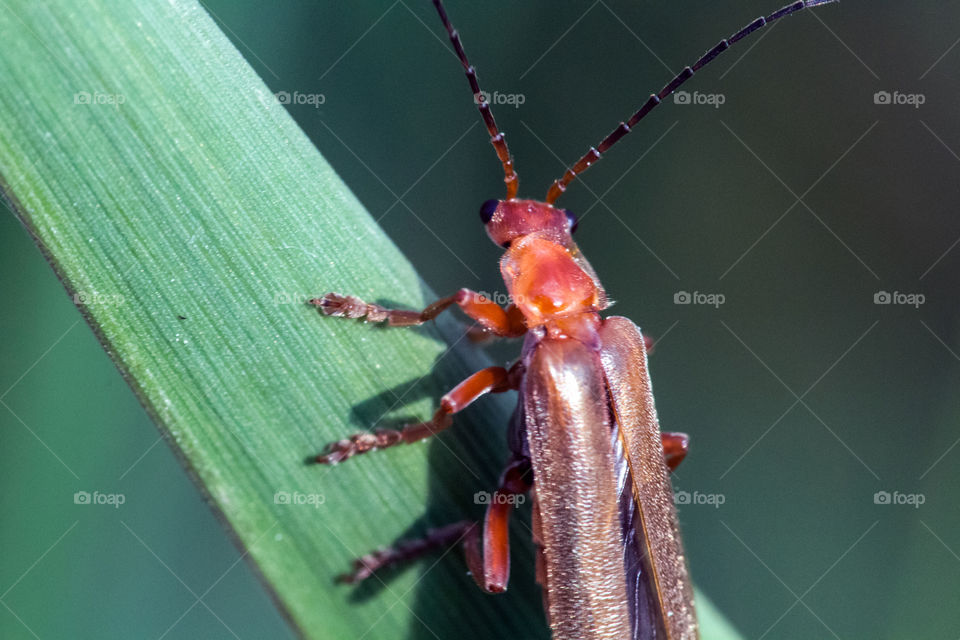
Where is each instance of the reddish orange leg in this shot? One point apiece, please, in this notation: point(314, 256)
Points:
point(479, 334)
point(491, 569)
point(491, 566)
point(489, 380)
point(491, 316)
point(675, 447)
point(648, 343)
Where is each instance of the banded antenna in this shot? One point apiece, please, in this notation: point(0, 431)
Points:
point(510, 176)
point(591, 156)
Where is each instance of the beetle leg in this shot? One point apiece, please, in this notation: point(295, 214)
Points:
point(675, 447)
point(489, 380)
point(491, 316)
point(367, 565)
point(492, 571)
point(490, 567)
point(479, 334)
point(648, 343)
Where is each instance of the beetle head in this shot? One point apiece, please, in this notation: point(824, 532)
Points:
point(507, 220)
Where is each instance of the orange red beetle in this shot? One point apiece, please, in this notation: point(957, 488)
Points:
point(584, 439)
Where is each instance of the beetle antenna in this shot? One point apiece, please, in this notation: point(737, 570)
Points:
point(591, 156)
point(496, 138)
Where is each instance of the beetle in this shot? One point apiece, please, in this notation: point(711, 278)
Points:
point(584, 438)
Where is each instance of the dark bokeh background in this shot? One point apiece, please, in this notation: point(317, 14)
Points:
point(803, 397)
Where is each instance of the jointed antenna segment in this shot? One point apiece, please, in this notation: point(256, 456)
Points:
point(591, 156)
point(496, 138)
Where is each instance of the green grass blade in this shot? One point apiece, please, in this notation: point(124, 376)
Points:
point(190, 218)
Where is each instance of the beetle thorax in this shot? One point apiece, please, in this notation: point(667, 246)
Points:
point(546, 282)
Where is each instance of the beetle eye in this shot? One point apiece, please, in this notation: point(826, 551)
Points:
point(487, 209)
point(571, 219)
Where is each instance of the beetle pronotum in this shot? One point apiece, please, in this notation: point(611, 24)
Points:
point(584, 438)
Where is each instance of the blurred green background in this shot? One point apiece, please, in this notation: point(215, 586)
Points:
point(802, 396)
